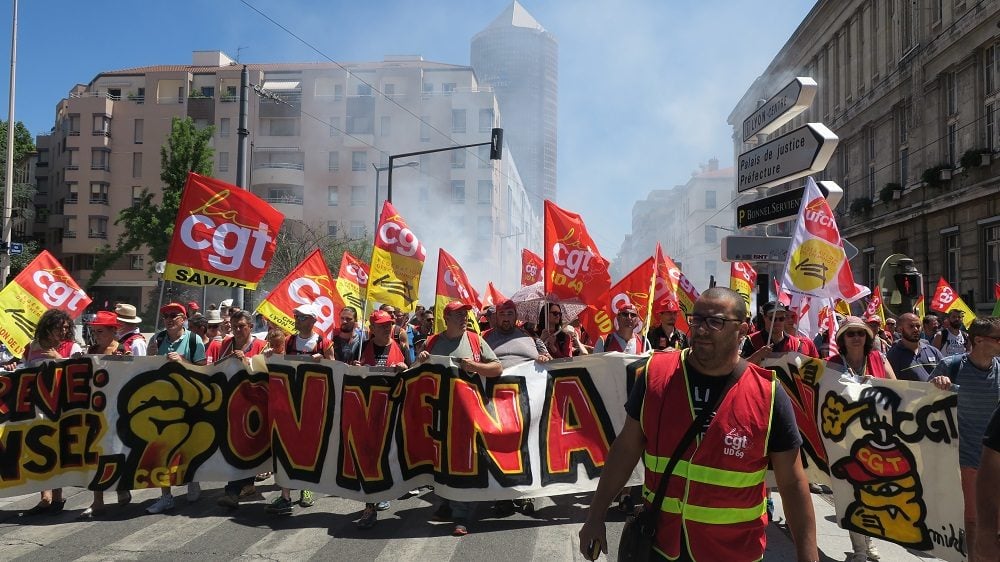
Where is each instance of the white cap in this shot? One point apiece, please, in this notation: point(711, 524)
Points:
point(307, 310)
point(226, 303)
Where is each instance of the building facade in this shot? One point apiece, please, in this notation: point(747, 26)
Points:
point(913, 92)
point(689, 221)
point(315, 142)
point(520, 60)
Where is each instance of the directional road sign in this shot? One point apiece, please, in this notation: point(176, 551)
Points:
point(769, 249)
point(804, 151)
point(781, 108)
point(783, 206)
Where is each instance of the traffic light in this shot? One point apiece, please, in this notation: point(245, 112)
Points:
point(908, 284)
point(496, 144)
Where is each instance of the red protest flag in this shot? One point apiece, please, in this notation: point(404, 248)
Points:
point(224, 236)
point(672, 284)
point(634, 289)
point(397, 260)
point(492, 296)
point(531, 268)
point(574, 269)
point(743, 279)
point(945, 299)
point(309, 283)
point(352, 282)
point(452, 285)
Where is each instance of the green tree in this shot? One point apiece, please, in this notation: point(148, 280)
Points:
point(148, 223)
point(24, 145)
point(296, 240)
point(23, 198)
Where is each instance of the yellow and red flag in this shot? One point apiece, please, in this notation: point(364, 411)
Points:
point(452, 285)
point(309, 283)
point(945, 300)
point(397, 260)
point(224, 236)
point(43, 285)
point(492, 296)
point(352, 282)
point(817, 264)
point(672, 284)
point(742, 279)
point(574, 269)
point(875, 305)
point(531, 267)
point(636, 289)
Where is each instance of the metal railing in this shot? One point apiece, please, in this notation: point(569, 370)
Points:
point(97, 234)
point(99, 200)
point(285, 199)
point(69, 234)
point(278, 165)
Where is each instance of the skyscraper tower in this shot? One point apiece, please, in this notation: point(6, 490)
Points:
point(520, 60)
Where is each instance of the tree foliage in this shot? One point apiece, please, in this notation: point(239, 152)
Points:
point(296, 240)
point(24, 145)
point(149, 223)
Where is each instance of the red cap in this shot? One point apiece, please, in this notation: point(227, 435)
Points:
point(667, 305)
point(193, 306)
point(173, 308)
point(506, 304)
point(629, 308)
point(105, 318)
point(381, 317)
point(455, 306)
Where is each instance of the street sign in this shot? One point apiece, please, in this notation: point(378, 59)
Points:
point(769, 249)
point(781, 108)
point(804, 151)
point(783, 206)
point(16, 248)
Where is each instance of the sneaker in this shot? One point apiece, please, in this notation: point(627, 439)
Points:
point(250, 493)
point(164, 503)
point(262, 476)
point(194, 492)
point(873, 553)
point(306, 498)
point(368, 517)
point(815, 488)
point(229, 500)
point(443, 512)
point(280, 506)
point(460, 530)
point(382, 506)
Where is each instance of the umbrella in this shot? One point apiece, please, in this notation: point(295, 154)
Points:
point(529, 301)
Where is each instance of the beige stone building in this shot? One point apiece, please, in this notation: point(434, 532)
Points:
point(312, 157)
point(913, 91)
point(689, 221)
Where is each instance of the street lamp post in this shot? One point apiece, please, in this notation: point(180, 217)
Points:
point(496, 152)
point(379, 170)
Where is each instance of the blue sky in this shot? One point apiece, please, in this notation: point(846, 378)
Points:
point(645, 86)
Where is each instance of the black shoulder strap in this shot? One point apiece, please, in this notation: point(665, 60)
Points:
point(696, 425)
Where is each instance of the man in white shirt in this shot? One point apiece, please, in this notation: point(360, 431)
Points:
point(128, 335)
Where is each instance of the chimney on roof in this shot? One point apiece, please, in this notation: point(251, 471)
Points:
point(713, 165)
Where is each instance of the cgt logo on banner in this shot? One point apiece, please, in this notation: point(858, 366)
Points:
point(452, 285)
point(397, 260)
point(574, 269)
point(531, 268)
point(742, 279)
point(44, 284)
point(145, 422)
point(352, 283)
point(224, 236)
point(634, 289)
point(309, 283)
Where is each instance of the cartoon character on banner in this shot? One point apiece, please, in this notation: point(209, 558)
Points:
point(888, 492)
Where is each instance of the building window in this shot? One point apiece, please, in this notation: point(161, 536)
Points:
point(991, 252)
point(951, 92)
point(224, 127)
point(136, 195)
point(73, 159)
point(135, 262)
point(335, 127)
point(485, 120)
point(871, 182)
point(333, 163)
point(357, 230)
point(904, 166)
point(458, 191)
point(359, 160)
point(74, 124)
point(458, 158)
point(137, 131)
point(331, 228)
point(364, 90)
point(99, 193)
point(385, 125)
point(223, 161)
point(952, 259)
point(952, 143)
point(136, 164)
point(99, 159)
point(428, 88)
point(279, 127)
point(74, 193)
point(710, 235)
point(357, 196)
point(991, 68)
point(333, 195)
point(70, 230)
point(389, 89)
point(458, 120)
point(710, 199)
point(97, 227)
point(485, 192)
point(338, 92)
point(483, 156)
point(102, 125)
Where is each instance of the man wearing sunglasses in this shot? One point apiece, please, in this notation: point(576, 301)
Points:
point(721, 513)
point(758, 345)
point(624, 338)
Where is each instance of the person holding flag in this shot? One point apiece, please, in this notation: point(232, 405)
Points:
point(624, 338)
point(772, 338)
point(666, 335)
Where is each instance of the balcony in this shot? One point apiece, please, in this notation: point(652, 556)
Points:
point(95, 234)
point(287, 173)
point(72, 199)
point(98, 199)
point(286, 199)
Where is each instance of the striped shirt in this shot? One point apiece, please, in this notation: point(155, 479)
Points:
point(978, 396)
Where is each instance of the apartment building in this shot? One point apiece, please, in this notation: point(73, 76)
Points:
point(315, 142)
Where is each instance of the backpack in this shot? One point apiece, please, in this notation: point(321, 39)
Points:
point(125, 343)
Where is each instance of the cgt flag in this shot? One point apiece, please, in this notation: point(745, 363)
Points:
point(531, 268)
point(742, 279)
point(875, 305)
point(574, 270)
point(352, 283)
point(452, 285)
point(397, 260)
point(945, 300)
point(671, 284)
point(817, 264)
point(492, 296)
point(309, 283)
point(224, 236)
point(43, 285)
point(633, 289)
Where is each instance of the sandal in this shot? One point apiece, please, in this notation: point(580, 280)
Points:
point(90, 513)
